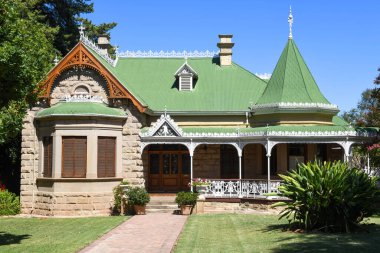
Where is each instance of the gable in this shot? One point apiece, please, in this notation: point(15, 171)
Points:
point(164, 127)
point(80, 57)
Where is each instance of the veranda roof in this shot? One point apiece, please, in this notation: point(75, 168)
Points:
point(81, 109)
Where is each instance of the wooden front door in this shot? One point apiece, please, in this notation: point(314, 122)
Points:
point(169, 170)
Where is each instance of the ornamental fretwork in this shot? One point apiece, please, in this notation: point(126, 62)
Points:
point(165, 130)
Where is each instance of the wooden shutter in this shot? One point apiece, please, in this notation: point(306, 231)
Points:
point(74, 156)
point(106, 156)
point(48, 157)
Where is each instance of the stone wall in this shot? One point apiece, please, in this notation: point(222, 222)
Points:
point(50, 202)
point(29, 161)
point(70, 79)
point(73, 204)
point(252, 161)
point(133, 169)
point(206, 161)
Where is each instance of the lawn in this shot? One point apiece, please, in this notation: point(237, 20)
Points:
point(52, 234)
point(264, 233)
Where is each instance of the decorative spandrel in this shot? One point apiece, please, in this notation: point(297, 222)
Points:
point(164, 127)
point(165, 130)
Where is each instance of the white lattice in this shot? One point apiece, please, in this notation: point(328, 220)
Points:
point(82, 98)
point(294, 105)
point(167, 54)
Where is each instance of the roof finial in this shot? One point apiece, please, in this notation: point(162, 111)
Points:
point(81, 30)
point(165, 111)
point(290, 21)
point(56, 60)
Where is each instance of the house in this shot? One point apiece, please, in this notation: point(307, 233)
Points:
point(161, 119)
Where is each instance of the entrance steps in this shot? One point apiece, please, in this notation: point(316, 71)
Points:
point(162, 203)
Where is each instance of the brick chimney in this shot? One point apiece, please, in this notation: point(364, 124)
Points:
point(225, 53)
point(104, 42)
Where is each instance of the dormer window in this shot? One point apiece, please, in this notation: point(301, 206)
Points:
point(186, 76)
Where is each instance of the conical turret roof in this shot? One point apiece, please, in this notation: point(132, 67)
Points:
point(292, 84)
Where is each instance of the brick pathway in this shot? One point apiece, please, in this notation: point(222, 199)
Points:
point(142, 233)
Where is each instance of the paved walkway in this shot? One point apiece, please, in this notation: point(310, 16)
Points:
point(142, 233)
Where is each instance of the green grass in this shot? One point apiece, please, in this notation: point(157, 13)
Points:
point(52, 234)
point(264, 233)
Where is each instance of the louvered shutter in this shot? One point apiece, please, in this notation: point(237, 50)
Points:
point(186, 82)
point(48, 157)
point(74, 156)
point(106, 156)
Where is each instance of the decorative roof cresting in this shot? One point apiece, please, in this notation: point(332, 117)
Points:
point(290, 21)
point(167, 54)
point(85, 40)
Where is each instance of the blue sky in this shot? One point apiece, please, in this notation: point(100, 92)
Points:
point(339, 40)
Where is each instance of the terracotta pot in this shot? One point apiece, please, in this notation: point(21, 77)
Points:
point(186, 209)
point(139, 210)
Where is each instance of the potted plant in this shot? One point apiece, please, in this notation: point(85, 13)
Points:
point(186, 201)
point(200, 185)
point(138, 197)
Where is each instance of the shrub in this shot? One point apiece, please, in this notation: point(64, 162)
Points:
point(117, 191)
point(329, 196)
point(138, 196)
point(9, 203)
point(186, 198)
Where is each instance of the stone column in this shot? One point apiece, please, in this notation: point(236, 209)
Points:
point(57, 157)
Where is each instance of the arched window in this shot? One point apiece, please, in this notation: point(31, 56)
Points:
point(81, 90)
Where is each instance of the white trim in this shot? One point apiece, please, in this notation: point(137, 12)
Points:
point(184, 66)
point(97, 49)
point(165, 118)
point(82, 97)
point(167, 54)
point(294, 105)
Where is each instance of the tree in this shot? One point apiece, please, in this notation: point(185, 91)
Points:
point(367, 114)
point(65, 15)
point(32, 32)
point(26, 54)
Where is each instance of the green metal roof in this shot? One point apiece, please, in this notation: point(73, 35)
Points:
point(217, 89)
point(292, 81)
point(81, 109)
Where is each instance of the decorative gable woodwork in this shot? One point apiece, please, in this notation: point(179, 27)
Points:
point(164, 127)
point(81, 57)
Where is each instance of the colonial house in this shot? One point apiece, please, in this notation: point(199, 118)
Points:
point(161, 119)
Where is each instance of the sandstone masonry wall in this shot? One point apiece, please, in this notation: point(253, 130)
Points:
point(133, 169)
point(69, 80)
point(29, 162)
point(206, 161)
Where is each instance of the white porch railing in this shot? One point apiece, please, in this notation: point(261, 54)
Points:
point(372, 171)
point(235, 188)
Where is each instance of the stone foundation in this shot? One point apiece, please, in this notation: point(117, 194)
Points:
point(237, 206)
point(72, 204)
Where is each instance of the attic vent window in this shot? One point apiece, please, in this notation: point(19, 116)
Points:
point(186, 76)
point(81, 90)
